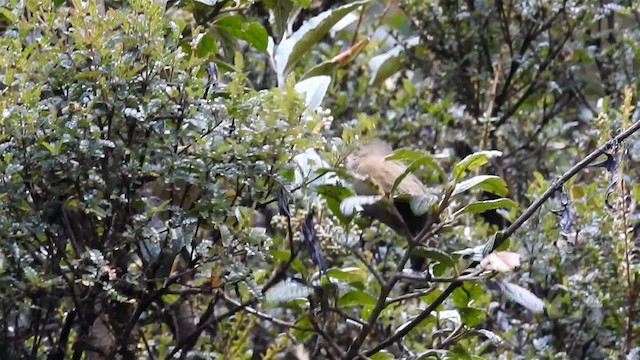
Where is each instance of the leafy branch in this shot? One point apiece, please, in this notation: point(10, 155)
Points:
point(503, 236)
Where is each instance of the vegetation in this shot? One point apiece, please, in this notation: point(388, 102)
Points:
point(174, 183)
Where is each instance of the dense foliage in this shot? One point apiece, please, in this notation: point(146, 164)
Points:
point(173, 179)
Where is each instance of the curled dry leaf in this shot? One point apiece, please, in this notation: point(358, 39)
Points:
point(501, 261)
point(611, 164)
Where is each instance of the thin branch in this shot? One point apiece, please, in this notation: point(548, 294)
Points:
point(368, 264)
point(267, 317)
point(412, 295)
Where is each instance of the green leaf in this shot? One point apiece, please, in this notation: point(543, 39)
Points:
point(382, 355)
point(466, 293)
point(206, 46)
point(356, 297)
point(333, 196)
point(283, 255)
point(291, 50)
point(421, 203)
point(489, 183)
point(437, 255)
point(303, 322)
point(349, 274)
point(472, 317)
point(250, 31)
point(304, 3)
point(313, 89)
point(384, 65)
point(7, 14)
point(281, 10)
point(472, 162)
point(170, 298)
point(324, 68)
point(54, 149)
point(482, 206)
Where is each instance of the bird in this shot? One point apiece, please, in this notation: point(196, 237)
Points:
point(369, 161)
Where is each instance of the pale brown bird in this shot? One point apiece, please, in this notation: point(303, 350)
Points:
point(369, 161)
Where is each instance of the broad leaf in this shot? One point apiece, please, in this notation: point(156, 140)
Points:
point(333, 196)
point(472, 162)
point(313, 89)
point(472, 317)
point(384, 65)
point(292, 49)
point(421, 203)
point(482, 206)
point(437, 255)
point(284, 255)
point(489, 183)
point(348, 274)
point(250, 31)
point(356, 297)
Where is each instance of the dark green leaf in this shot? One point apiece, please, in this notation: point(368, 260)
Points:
point(472, 162)
point(489, 183)
point(355, 298)
point(351, 274)
point(437, 255)
point(421, 203)
point(250, 31)
point(333, 195)
point(472, 317)
point(384, 65)
point(207, 46)
point(291, 50)
point(283, 255)
point(303, 322)
point(482, 206)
